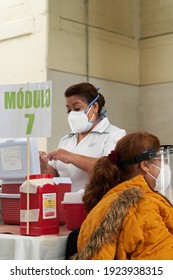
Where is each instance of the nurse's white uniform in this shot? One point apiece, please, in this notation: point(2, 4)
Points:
point(99, 142)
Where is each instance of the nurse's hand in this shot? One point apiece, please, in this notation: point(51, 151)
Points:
point(62, 155)
point(44, 165)
point(43, 158)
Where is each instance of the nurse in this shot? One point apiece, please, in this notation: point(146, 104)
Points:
point(91, 137)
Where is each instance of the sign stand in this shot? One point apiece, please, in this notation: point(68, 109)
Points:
point(27, 104)
point(28, 173)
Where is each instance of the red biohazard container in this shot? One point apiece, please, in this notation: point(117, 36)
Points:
point(75, 215)
point(42, 216)
point(74, 209)
point(64, 186)
point(10, 203)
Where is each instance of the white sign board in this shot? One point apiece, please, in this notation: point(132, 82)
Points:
point(26, 110)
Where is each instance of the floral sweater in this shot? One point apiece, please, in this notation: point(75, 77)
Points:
point(131, 222)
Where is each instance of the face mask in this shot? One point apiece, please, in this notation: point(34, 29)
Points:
point(163, 179)
point(79, 122)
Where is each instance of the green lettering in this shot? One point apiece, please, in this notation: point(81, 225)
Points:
point(42, 98)
point(28, 99)
point(9, 100)
point(31, 118)
point(47, 98)
point(20, 99)
point(36, 98)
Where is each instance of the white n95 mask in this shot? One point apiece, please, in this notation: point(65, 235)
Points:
point(78, 121)
point(163, 179)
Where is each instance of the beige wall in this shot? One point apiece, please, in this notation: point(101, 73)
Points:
point(94, 43)
point(23, 45)
point(156, 17)
point(68, 41)
point(156, 114)
point(156, 60)
point(156, 67)
point(156, 44)
point(125, 47)
point(23, 42)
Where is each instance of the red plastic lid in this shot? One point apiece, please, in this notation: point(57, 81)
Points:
point(40, 176)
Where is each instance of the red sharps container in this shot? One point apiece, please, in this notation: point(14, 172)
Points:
point(42, 216)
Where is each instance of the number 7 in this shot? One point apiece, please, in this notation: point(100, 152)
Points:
point(31, 118)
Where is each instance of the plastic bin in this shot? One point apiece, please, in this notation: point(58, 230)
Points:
point(10, 203)
point(75, 215)
point(64, 186)
point(74, 209)
point(42, 216)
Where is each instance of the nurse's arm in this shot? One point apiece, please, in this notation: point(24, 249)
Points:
point(83, 162)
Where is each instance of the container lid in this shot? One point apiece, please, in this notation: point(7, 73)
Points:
point(32, 185)
point(40, 176)
point(9, 195)
point(62, 180)
point(73, 197)
point(13, 181)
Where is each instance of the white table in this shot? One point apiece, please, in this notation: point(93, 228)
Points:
point(20, 247)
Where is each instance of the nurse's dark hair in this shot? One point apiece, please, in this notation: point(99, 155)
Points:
point(108, 172)
point(87, 92)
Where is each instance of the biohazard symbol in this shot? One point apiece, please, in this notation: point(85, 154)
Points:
point(50, 203)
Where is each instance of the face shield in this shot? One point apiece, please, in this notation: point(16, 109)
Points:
point(166, 187)
point(162, 160)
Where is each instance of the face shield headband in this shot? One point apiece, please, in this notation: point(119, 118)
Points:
point(148, 154)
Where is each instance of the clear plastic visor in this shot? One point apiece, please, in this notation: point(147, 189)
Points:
point(164, 160)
